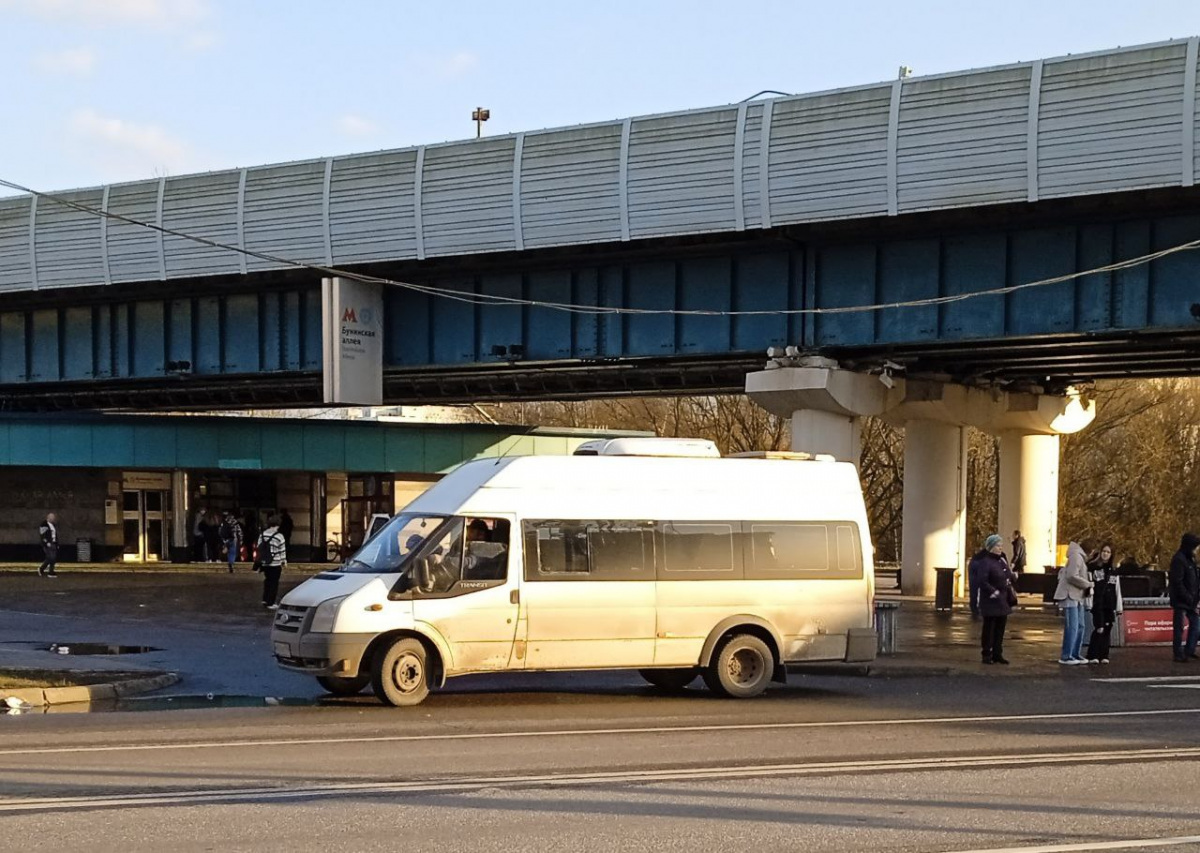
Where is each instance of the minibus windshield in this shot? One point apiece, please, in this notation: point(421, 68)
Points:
point(391, 549)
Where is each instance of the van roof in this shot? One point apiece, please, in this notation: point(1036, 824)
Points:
point(654, 484)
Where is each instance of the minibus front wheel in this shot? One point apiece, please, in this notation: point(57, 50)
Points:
point(400, 673)
point(741, 668)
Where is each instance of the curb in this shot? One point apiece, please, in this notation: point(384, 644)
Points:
point(42, 696)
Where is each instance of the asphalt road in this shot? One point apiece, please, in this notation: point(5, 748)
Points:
point(591, 763)
point(1038, 760)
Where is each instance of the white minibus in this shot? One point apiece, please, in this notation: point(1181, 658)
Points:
point(641, 553)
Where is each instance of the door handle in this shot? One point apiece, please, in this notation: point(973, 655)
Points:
point(514, 597)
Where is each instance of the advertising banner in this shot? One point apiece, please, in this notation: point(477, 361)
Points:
point(1147, 627)
point(352, 341)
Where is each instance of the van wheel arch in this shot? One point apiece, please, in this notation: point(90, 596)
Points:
point(437, 666)
point(755, 626)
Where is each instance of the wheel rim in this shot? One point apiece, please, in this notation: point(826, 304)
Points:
point(408, 673)
point(745, 667)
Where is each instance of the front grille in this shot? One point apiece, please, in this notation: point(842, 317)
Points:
point(290, 618)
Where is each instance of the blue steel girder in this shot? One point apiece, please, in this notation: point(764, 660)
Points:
point(218, 335)
point(253, 330)
point(425, 330)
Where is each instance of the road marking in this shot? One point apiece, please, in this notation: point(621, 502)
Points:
point(1132, 844)
point(1148, 679)
point(651, 730)
point(690, 774)
point(1174, 686)
point(595, 732)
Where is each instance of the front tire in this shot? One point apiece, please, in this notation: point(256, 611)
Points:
point(669, 679)
point(343, 686)
point(400, 673)
point(741, 668)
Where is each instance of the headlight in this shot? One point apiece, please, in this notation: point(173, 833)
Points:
point(322, 621)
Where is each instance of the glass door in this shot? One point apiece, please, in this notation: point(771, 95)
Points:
point(144, 523)
point(154, 527)
point(131, 525)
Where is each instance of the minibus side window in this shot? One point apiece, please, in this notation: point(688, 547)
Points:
point(792, 550)
point(701, 550)
point(599, 550)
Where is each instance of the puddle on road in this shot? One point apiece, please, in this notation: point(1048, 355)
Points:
point(96, 649)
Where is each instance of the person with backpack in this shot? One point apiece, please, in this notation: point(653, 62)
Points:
point(231, 534)
point(49, 536)
point(272, 558)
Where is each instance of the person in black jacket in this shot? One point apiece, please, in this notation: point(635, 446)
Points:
point(49, 536)
point(996, 597)
point(1104, 604)
point(1183, 587)
point(1019, 552)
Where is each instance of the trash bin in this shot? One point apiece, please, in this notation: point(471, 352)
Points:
point(83, 550)
point(885, 626)
point(943, 594)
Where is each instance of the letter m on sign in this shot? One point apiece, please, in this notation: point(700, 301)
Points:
point(348, 316)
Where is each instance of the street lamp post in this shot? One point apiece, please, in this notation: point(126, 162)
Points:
point(480, 116)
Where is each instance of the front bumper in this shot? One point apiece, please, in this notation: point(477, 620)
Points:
point(338, 655)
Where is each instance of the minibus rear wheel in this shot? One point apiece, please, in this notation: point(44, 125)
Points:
point(399, 675)
point(669, 679)
point(343, 686)
point(741, 668)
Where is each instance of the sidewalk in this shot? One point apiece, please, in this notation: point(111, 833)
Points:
point(932, 643)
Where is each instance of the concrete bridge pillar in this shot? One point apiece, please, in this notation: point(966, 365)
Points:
point(935, 503)
point(1029, 494)
point(824, 402)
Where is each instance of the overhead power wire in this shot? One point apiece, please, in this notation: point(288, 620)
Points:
point(497, 300)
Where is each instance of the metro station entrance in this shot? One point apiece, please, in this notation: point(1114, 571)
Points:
point(145, 517)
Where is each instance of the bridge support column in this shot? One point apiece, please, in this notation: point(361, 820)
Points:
point(180, 534)
point(1029, 494)
point(824, 402)
point(935, 503)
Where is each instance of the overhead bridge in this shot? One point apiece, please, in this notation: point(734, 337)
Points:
point(676, 248)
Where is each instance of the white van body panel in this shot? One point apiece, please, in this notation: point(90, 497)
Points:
point(547, 623)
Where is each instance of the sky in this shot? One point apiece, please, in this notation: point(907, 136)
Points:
point(101, 91)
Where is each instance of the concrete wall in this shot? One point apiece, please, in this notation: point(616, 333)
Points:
point(27, 494)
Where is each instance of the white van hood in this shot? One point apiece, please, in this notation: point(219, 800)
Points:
point(329, 585)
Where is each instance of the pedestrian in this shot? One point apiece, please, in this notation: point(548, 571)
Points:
point(1073, 587)
point(1104, 604)
point(1183, 587)
point(286, 526)
point(200, 536)
point(231, 536)
point(1019, 554)
point(996, 597)
point(250, 530)
point(212, 537)
point(272, 558)
point(974, 567)
point(48, 531)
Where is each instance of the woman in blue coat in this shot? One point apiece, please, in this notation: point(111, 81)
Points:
point(996, 597)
